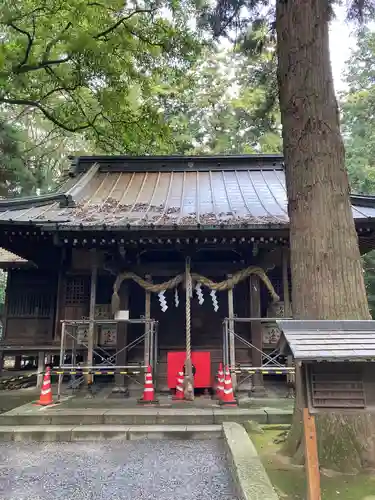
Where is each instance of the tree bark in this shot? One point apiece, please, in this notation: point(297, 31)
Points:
point(326, 265)
point(325, 260)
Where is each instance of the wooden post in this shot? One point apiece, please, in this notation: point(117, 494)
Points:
point(232, 340)
point(41, 367)
point(287, 308)
point(91, 333)
point(122, 337)
point(17, 362)
point(147, 325)
point(256, 333)
point(6, 305)
point(311, 457)
point(1, 363)
point(59, 303)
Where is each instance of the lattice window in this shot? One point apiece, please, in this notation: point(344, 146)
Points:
point(77, 290)
point(30, 303)
point(278, 285)
point(337, 389)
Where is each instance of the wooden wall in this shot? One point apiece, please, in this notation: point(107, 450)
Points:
point(369, 383)
point(38, 300)
point(30, 312)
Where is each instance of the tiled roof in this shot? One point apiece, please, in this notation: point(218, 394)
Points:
point(328, 340)
point(247, 191)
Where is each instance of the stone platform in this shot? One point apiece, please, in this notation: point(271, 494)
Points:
point(75, 416)
point(68, 433)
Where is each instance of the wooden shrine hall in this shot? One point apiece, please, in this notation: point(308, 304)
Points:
point(138, 260)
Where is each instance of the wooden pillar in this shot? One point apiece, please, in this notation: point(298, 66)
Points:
point(17, 362)
point(147, 325)
point(60, 298)
point(256, 333)
point(41, 367)
point(1, 363)
point(232, 340)
point(91, 332)
point(287, 307)
point(122, 334)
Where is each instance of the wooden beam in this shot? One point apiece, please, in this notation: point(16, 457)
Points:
point(122, 336)
point(287, 306)
point(60, 297)
point(6, 306)
point(41, 368)
point(256, 332)
point(147, 325)
point(232, 341)
point(311, 456)
point(91, 333)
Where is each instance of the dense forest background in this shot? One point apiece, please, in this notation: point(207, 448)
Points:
point(168, 93)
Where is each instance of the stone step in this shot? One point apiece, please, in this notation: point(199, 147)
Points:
point(28, 415)
point(52, 433)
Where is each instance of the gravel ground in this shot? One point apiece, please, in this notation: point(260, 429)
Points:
point(136, 470)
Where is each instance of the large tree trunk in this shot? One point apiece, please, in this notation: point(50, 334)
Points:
point(326, 267)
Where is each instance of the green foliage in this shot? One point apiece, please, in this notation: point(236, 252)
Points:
point(358, 111)
point(95, 67)
point(33, 154)
point(216, 110)
point(14, 175)
point(358, 126)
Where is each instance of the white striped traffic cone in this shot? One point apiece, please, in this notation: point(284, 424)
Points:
point(220, 382)
point(228, 396)
point(46, 392)
point(148, 390)
point(179, 386)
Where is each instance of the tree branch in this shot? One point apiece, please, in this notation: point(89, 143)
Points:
point(43, 64)
point(30, 40)
point(54, 41)
point(68, 91)
point(27, 14)
point(144, 39)
point(48, 115)
point(121, 21)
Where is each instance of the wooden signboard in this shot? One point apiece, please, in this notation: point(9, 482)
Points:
point(108, 335)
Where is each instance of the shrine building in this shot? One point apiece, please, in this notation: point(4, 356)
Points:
point(136, 259)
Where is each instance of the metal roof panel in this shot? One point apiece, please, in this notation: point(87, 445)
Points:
point(328, 339)
point(246, 191)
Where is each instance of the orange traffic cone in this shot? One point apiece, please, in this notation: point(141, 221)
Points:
point(46, 392)
point(179, 386)
point(148, 390)
point(220, 383)
point(228, 397)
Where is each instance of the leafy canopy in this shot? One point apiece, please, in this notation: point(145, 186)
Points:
point(93, 67)
point(358, 114)
point(217, 109)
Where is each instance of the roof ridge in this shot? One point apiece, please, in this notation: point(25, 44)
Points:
point(180, 163)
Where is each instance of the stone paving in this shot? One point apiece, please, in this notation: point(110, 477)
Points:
point(152, 470)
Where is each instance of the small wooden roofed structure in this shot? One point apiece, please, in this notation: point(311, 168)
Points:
point(328, 340)
point(335, 358)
